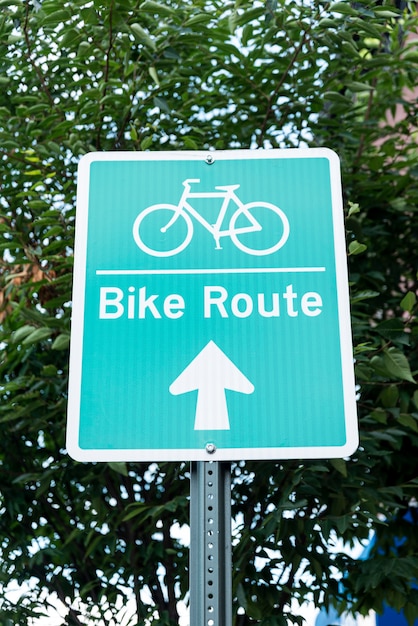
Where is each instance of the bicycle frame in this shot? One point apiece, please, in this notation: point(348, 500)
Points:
point(228, 194)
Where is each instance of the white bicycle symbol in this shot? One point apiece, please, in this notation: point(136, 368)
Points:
point(179, 216)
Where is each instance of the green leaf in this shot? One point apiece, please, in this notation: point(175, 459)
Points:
point(335, 96)
point(357, 86)
point(394, 330)
point(364, 295)
point(39, 334)
point(54, 231)
point(343, 7)
point(340, 465)
point(71, 35)
point(353, 208)
point(397, 364)
point(379, 415)
point(61, 342)
point(327, 22)
point(356, 248)
point(232, 21)
point(136, 510)
point(21, 333)
point(247, 34)
point(163, 9)
point(408, 301)
point(390, 396)
point(379, 366)
point(241, 596)
point(120, 468)
point(190, 143)
point(62, 16)
point(411, 55)
point(382, 11)
point(153, 73)
point(408, 420)
point(33, 172)
point(200, 18)
point(49, 370)
point(342, 523)
point(142, 36)
point(146, 142)
point(162, 104)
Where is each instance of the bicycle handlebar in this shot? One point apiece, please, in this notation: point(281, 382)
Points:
point(191, 180)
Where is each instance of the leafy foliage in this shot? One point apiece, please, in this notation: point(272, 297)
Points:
point(81, 76)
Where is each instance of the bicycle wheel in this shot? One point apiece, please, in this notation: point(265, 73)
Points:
point(259, 228)
point(161, 230)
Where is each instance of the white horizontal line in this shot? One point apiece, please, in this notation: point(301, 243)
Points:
point(234, 270)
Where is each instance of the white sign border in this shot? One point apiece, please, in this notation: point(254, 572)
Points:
point(77, 326)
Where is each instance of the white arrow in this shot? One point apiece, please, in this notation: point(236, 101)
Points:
point(211, 372)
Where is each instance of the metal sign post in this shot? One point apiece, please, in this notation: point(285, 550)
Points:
point(210, 544)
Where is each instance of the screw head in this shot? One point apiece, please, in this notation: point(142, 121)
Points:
point(210, 159)
point(210, 448)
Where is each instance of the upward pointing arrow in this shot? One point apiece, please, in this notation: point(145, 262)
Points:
point(211, 372)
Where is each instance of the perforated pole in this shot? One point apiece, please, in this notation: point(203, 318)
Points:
point(210, 544)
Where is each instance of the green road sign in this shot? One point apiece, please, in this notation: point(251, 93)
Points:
point(210, 308)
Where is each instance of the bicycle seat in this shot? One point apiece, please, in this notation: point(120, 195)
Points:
point(227, 187)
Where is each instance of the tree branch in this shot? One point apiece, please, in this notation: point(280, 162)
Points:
point(279, 85)
point(105, 76)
